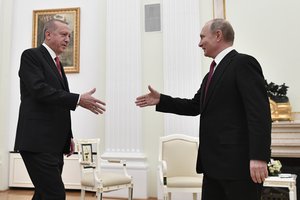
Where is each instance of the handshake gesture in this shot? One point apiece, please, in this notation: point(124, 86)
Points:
point(89, 102)
point(149, 99)
point(96, 106)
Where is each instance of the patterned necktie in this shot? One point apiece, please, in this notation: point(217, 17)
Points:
point(58, 65)
point(210, 74)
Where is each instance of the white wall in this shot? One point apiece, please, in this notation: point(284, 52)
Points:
point(269, 30)
point(266, 29)
point(5, 30)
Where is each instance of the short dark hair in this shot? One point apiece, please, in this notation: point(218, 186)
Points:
point(225, 27)
point(50, 25)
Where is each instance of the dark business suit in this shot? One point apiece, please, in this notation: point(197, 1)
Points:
point(235, 122)
point(44, 124)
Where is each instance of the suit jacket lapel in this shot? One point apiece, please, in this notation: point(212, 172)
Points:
point(202, 92)
point(64, 77)
point(48, 58)
point(221, 68)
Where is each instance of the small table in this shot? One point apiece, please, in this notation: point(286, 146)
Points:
point(290, 183)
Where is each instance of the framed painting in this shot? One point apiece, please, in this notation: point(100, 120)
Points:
point(219, 9)
point(70, 57)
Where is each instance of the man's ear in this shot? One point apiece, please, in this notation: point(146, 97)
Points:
point(219, 35)
point(47, 34)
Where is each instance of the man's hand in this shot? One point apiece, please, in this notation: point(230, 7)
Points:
point(72, 148)
point(89, 102)
point(149, 99)
point(258, 170)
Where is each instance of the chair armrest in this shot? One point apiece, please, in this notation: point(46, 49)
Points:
point(164, 167)
point(114, 161)
point(119, 162)
point(162, 172)
point(87, 164)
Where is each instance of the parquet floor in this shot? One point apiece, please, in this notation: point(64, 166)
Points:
point(26, 194)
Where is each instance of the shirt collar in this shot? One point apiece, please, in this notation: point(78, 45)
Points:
point(51, 52)
point(222, 54)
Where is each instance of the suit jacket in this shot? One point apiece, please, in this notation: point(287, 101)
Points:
point(235, 121)
point(44, 123)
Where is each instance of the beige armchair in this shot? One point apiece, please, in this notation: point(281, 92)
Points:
point(177, 168)
point(95, 179)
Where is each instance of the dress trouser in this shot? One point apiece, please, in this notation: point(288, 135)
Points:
point(214, 189)
point(45, 171)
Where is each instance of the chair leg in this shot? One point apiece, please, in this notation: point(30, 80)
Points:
point(82, 194)
point(99, 195)
point(165, 196)
point(169, 196)
point(194, 196)
point(130, 193)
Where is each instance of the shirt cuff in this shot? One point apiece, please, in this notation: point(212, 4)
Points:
point(78, 100)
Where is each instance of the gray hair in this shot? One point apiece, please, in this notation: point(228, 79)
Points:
point(51, 26)
point(225, 27)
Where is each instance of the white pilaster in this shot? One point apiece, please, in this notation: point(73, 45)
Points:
point(6, 13)
point(182, 70)
point(123, 135)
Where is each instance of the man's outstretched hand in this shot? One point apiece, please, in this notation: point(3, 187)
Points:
point(89, 102)
point(149, 99)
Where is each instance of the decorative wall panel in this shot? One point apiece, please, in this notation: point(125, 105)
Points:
point(182, 70)
point(123, 119)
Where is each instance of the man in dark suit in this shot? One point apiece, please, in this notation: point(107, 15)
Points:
point(235, 121)
point(44, 126)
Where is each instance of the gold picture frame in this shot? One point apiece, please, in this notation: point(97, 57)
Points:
point(70, 57)
point(219, 10)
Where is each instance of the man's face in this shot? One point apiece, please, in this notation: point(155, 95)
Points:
point(208, 41)
point(59, 39)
